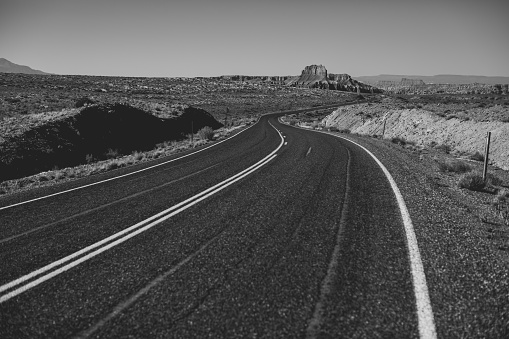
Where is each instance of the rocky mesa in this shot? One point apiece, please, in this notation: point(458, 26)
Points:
point(313, 76)
point(317, 76)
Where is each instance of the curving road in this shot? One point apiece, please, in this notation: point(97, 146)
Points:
point(276, 232)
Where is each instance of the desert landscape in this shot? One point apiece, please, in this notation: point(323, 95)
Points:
point(58, 129)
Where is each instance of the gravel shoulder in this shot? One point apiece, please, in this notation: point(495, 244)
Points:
point(464, 244)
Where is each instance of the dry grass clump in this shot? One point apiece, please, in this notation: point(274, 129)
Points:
point(501, 204)
point(453, 166)
point(472, 181)
point(401, 141)
point(443, 148)
point(206, 133)
point(477, 156)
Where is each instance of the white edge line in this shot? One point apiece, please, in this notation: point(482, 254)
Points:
point(425, 317)
point(138, 171)
point(162, 217)
point(124, 175)
point(121, 240)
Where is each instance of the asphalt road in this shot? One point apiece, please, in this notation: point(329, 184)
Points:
point(308, 243)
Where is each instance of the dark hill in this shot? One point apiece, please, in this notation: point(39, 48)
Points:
point(94, 131)
point(9, 67)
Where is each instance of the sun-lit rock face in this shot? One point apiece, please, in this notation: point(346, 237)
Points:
point(317, 76)
point(315, 70)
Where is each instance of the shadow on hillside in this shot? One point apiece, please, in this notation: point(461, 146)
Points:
point(96, 132)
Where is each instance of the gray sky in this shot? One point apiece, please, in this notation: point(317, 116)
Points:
point(256, 37)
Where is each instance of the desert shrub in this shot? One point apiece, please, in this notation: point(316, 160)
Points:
point(472, 181)
point(501, 204)
point(89, 158)
point(444, 148)
point(451, 116)
point(453, 166)
point(137, 156)
point(477, 156)
point(401, 141)
point(206, 133)
point(333, 129)
point(83, 101)
point(493, 180)
point(345, 131)
point(44, 177)
point(111, 153)
point(292, 122)
point(12, 100)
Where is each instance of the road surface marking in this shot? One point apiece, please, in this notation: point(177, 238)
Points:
point(425, 317)
point(121, 176)
point(103, 206)
point(125, 234)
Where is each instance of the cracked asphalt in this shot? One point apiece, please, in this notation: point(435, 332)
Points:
point(249, 261)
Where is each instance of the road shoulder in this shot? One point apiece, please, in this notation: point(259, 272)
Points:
point(462, 242)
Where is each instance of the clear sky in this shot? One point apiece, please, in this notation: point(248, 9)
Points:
point(256, 37)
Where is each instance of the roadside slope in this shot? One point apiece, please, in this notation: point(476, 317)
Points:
point(425, 128)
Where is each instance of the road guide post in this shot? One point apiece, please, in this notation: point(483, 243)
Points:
point(486, 154)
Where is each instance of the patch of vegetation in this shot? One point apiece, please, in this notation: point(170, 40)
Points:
point(444, 148)
point(501, 204)
point(477, 156)
point(453, 166)
point(472, 181)
point(84, 101)
point(206, 133)
point(401, 141)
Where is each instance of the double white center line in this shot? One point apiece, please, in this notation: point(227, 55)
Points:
point(47, 272)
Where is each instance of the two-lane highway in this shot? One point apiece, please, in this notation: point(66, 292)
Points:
point(276, 232)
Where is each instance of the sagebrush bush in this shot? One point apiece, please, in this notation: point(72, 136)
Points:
point(206, 133)
point(111, 153)
point(401, 141)
point(501, 203)
point(493, 180)
point(453, 166)
point(444, 148)
point(472, 181)
point(83, 101)
point(477, 156)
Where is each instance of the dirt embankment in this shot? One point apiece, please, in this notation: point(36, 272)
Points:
point(96, 132)
point(425, 128)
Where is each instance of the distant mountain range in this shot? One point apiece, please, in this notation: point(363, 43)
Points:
point(9, 67)
point(436, 79)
